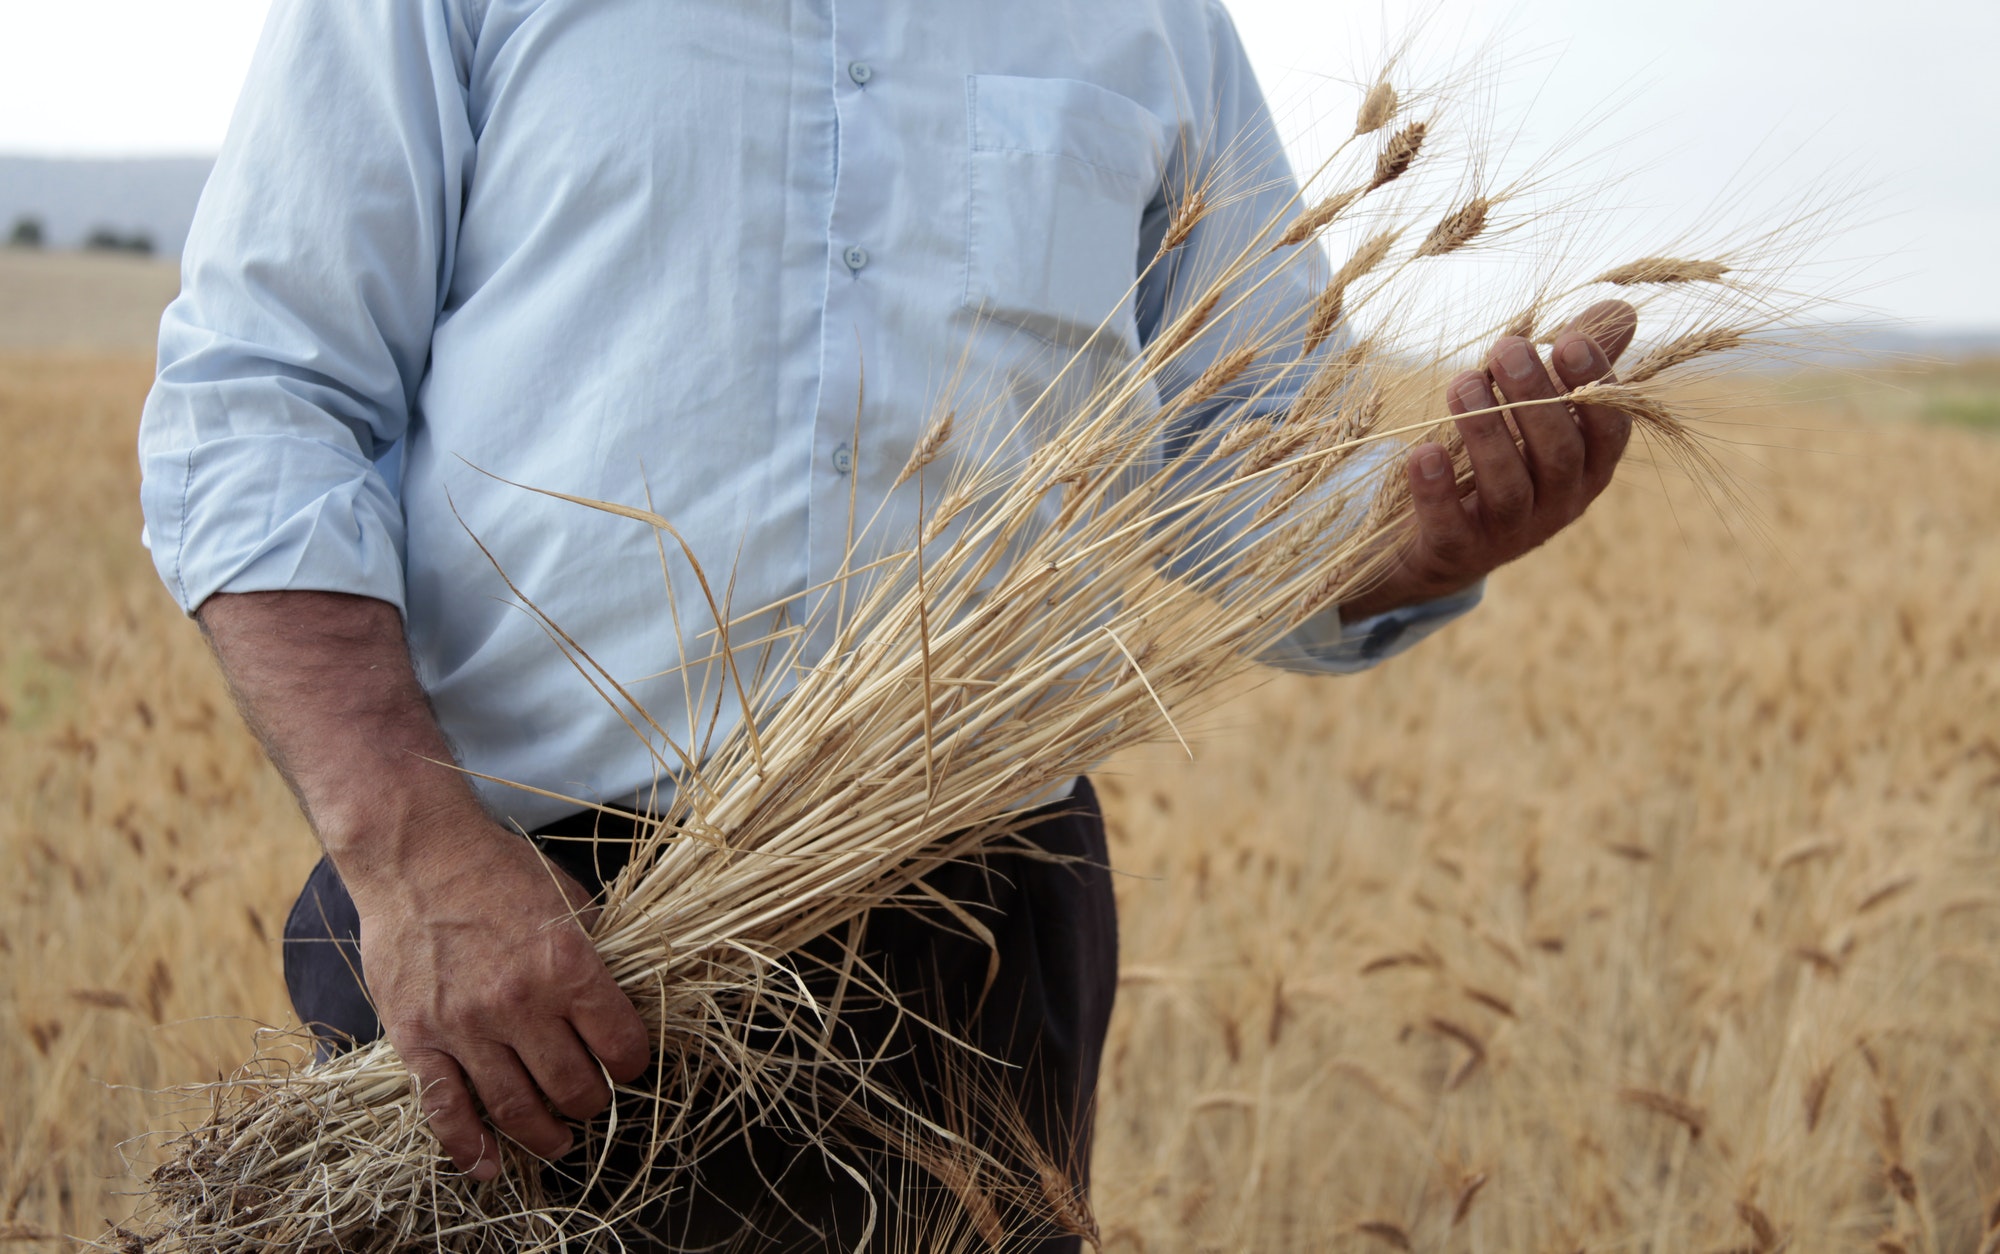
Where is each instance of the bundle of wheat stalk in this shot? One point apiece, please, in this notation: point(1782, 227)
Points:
point(1024, 632)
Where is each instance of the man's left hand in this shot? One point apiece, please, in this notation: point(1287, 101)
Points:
point(1522, 491)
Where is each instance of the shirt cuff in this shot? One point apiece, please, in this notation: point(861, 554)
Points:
point(1323, 645)
point(268, 514)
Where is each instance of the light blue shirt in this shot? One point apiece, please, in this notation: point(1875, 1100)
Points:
point(641, 249)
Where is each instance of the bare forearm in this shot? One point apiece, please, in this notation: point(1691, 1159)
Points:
point(325, 681)
point(470, 942)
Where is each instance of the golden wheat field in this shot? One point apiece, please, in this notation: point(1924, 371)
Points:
point(1656, 907)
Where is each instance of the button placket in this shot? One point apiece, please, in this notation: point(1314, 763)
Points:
point(855, 217)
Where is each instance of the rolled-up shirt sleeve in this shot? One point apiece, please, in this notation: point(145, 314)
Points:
point(1262, 187)
point(313, 276)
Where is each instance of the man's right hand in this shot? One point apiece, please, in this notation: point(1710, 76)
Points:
point(481, 974)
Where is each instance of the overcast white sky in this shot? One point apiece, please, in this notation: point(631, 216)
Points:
point(1904, 96)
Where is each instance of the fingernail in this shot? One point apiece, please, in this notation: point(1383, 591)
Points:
point(1472, 394)
point(1433, 463)
point(1578, 357)
point(1518, 360)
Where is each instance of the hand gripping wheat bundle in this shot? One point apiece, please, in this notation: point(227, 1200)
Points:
point(1054, 606)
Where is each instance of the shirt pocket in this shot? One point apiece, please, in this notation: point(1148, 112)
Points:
point(1061, 174)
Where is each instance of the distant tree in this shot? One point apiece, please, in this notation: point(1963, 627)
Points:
point(27, 232)
point(106, 240)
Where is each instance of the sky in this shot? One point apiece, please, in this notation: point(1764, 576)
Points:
point(1685, 102)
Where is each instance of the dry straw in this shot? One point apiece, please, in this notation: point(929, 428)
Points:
point(964, 669)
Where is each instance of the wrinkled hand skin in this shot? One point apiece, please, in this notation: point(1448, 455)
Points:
point(486, 982)
point(1521, 491)
point(479, 968)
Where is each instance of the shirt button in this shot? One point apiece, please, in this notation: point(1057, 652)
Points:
point(855, 257)
point(843, 460)
point(860, 72)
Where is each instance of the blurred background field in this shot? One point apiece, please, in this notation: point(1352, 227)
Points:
point(1654, 907)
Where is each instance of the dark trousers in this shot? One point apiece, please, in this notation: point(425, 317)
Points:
point(1042, 1019)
